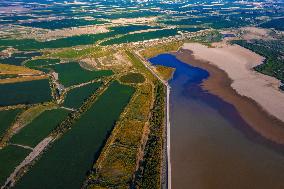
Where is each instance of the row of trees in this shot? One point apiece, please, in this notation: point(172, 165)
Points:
point(149, 173)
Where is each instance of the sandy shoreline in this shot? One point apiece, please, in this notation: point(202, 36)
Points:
point(220, 84)
point(238, 63)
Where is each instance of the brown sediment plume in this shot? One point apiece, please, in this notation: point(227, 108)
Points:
point(219, 84)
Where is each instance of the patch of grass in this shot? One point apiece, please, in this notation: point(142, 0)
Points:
point(73, 73)
point(6, 119)
point(81, 53)
point(117, 162)
point(207, 37)
point(60, 24)
point(25, 118)
point(73, 53)
point(132, 78)
point(128, 38)
point(12, 69)
point(19, 58)
point(30, 92)
point(159, 49)
point(39, 128)
point(165, 72)
point(10, 157)
point(137, 63)
point(68, 160)
point(32, 44)
point(41, 62)
point(77, 96)
point(275, 23)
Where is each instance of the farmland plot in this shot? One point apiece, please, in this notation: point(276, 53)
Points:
point(68, 161)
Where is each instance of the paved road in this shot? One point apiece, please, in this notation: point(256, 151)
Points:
point(168, 129)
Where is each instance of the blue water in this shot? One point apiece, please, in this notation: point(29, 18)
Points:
point(194, 75)
point(212, 147)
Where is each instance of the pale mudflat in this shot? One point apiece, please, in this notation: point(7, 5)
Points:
point(238, 63)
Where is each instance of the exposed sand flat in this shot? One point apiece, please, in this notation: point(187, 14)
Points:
point(75, 31)
point(238, 62)
point(13, 9)
point(134, 20)
point(255, 33)
point(144, 31)
point(43, 34)
point(23, 32)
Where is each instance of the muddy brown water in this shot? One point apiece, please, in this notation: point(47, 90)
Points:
point(212, 146)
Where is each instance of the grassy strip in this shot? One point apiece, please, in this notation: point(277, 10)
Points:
point(135, 37)
point(41, 62)
point(149, 173)
point(25, 118)
point(132, 78)
point(118, 160)
point(30, 92)
point(39, 128)
point(159, 49)
point(22, 79)
point(6, 119)
point(80, 53)
point(123, 151)
point(73, 74)
point(165, 72)
point(76, 97)
point(140, 66)
point(12, 69)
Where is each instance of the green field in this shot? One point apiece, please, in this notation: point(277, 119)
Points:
point(32, 44)
point(277, 24)
point(39, 128)
point(72, 74)
point(10, 157)
point(29, 92)
point(141, 36)
point(72, 53)
point(19, 58)
point(86, 39)
point(132, 78)
point(65, 23)
point(6, 119)
point(69, 159)
point(41, 62)
point(76, 97)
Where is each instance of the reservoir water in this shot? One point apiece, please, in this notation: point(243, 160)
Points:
point(212, 147)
